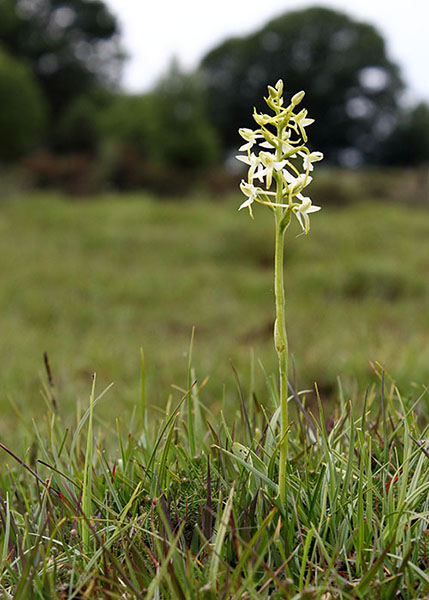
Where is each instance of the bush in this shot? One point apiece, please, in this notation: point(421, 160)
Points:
point(129, 121)
point(72, 173)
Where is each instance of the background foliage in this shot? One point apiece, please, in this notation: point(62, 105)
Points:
point(352, 87)
point(81, 133)
point(23, 109)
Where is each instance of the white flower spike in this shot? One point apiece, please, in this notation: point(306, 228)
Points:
point(277, 156)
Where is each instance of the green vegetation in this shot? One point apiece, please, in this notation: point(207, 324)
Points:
point(180, 470)
point(23, 112)
point(155, 520)
point(71, 48)
point(114, 497)
point(159, 141)
point(67, 123)
point(92, 283)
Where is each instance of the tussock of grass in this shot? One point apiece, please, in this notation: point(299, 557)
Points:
point(188, 508)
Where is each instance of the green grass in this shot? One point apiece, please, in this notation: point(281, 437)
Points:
point(153, 520)
point(107, 496)
point(91, 283)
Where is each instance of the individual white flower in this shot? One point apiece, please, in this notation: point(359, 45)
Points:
point(296, 184)
point(250, 136)
point(309, 159)
point(301, 122)
point(303, 210)
point(269, 161)
point(251, 192)
point(288, 177)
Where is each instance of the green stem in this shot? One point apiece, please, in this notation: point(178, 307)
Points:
point(281, 345)
point(282, 220)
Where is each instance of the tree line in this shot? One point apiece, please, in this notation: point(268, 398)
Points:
point(64, 118)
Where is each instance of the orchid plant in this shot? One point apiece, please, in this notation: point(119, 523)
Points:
point(279, 172)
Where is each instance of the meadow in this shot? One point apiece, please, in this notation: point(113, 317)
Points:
point(92, 282)
point(165, 487)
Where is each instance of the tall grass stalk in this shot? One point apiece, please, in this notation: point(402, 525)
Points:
point(190, 402)
point(87, 475)
point(143, 404)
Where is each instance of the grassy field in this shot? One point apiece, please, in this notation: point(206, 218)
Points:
point(182, 503)
point(92, 282)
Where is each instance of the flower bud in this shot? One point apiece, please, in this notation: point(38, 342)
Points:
point(245, 133)
point(261, 119)
point(296, 99)
point(272, 92)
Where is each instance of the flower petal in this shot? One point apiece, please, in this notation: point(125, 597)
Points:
point(246, 203)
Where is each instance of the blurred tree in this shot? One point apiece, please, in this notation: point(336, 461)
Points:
point(168, 126)
point(408, 144)
point(72, 45)
point(352, 87)
point(129, 120)
point(159, 140)
point(23, 109)
point(184, 136)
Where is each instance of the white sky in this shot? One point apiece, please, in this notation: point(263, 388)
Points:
point(155, 31)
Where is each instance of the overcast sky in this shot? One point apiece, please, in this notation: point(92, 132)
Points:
point(155, 31)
